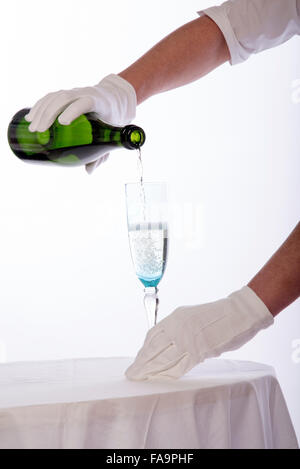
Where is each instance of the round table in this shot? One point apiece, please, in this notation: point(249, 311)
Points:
point(89, 404)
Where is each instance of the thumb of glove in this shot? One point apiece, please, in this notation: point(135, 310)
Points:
point(90, 167)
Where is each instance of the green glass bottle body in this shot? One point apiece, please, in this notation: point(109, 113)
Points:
point(83, 141)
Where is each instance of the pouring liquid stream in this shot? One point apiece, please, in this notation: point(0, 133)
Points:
point(142, 189)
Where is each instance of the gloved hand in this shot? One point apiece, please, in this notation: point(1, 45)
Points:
point(193, 333)
point(114, 99)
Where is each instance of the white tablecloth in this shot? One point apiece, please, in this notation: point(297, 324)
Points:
point(88, 403)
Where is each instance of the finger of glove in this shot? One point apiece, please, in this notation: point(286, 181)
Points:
point(76, 109)
point(90, 167)
point(38, 109)
point(49, 112)
point(170, 364)
point(153, 346)
point(33, 111)
point(141, 368)
point(175, 370)
point(154, 332)
point(148, 360)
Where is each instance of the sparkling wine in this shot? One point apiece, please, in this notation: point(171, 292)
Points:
point(149, 249)
point(142, 189)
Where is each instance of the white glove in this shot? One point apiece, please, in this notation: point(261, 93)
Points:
point(114, 99)
point(193, 333)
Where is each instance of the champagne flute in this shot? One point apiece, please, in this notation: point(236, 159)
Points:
point(148, 238)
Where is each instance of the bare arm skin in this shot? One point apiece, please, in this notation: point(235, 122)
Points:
point(278, 283)
point(183, 56)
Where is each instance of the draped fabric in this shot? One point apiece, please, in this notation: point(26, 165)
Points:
point(89, 404)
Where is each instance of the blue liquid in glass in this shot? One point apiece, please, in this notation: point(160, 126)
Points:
point(150, 282)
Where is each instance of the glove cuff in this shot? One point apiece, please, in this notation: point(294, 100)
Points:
point(247, 301)
point(246, 315)
point(241, 316)
point(123, 98)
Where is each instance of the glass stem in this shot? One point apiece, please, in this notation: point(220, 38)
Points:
point(151, 303)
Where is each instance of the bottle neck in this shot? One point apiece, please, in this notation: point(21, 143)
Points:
point(132, 137)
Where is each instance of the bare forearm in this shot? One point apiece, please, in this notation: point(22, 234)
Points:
point(278, 283)
point(183, 56)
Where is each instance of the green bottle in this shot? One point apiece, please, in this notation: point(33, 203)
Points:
point(83, 141)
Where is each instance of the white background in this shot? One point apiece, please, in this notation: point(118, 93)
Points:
point(227, 145)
